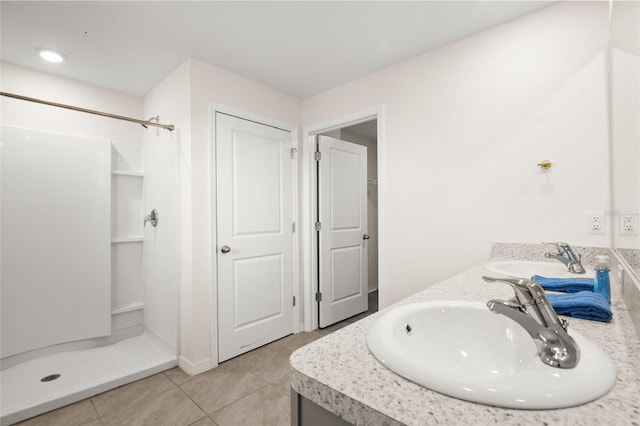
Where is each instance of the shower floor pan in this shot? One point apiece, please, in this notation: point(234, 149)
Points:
point(83, 373)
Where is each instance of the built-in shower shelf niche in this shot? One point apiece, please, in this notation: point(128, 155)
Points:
point(126, 211)
point(127, 180)
point(127, 202)
point(129, 308)
point(128, 173)
point(135, 239)
point(126, 157)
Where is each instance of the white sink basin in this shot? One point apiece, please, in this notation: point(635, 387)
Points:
point(464, 350)
point(526, 269)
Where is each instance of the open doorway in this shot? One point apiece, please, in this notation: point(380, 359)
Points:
point(353, 128)
point(366, 134)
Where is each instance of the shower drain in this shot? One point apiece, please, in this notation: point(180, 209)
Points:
point(50, 378)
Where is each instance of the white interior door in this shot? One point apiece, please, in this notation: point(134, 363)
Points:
point(342, 201)
point(254, 234)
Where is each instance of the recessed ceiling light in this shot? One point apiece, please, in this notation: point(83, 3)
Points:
point(50, 55)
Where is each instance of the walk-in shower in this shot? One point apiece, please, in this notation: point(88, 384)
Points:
point(89, 296)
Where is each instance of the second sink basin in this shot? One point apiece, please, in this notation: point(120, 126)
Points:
point(464, 350)
point(526, 269)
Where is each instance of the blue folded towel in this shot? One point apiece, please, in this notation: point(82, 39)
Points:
point(570, 285)
point(584, 304)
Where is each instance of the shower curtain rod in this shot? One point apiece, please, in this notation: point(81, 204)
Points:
point(143, 123)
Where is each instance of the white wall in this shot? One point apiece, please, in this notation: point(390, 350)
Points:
point(466, 125)
point(625, 116)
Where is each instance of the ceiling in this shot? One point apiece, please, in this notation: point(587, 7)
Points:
point(301, 48)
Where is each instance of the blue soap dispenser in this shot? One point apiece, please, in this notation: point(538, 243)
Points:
point(603, 286)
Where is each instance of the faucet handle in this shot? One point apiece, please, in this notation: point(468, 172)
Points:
point(513, 282)
point(521, 287)
point(560, 246)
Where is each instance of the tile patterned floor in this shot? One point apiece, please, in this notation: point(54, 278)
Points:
point(252, 389)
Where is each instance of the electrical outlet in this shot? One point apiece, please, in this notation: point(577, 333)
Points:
point(629, 224)
point(595, 223)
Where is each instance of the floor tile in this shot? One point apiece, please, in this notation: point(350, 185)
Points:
point(177, 376)
point(269, 362)
point(268, 406)
point(220, 388)
point(204, 422)
point(169, 408)
point(296, 341)
point(358, 317)
point(234, 365)
point(72, 415)
point(128, 394)
point(96, 422)
point(333, 327)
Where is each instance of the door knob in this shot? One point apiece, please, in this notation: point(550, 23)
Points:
point(225, 249)
point(151, 217)
point(365, 236)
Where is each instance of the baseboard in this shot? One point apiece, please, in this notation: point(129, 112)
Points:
point(192, 368)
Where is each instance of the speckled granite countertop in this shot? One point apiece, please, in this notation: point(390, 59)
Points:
point(338, 373)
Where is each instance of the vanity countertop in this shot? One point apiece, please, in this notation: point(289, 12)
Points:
point(338, 373)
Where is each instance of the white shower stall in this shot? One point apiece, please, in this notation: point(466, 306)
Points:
point(89, 294)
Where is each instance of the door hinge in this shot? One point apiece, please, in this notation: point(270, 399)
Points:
point(318, 297)
point(318, 155)
point(293, 152)
point(318, 226)
point(294, 301)
point(293, 227)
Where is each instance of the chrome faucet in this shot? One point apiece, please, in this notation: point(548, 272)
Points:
point(567, 256)
point(531, 309)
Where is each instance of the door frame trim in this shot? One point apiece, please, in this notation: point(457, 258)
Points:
point(215, 108)
point(309, 201)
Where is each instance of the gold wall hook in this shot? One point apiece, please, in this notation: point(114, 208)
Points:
point(545, 164)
